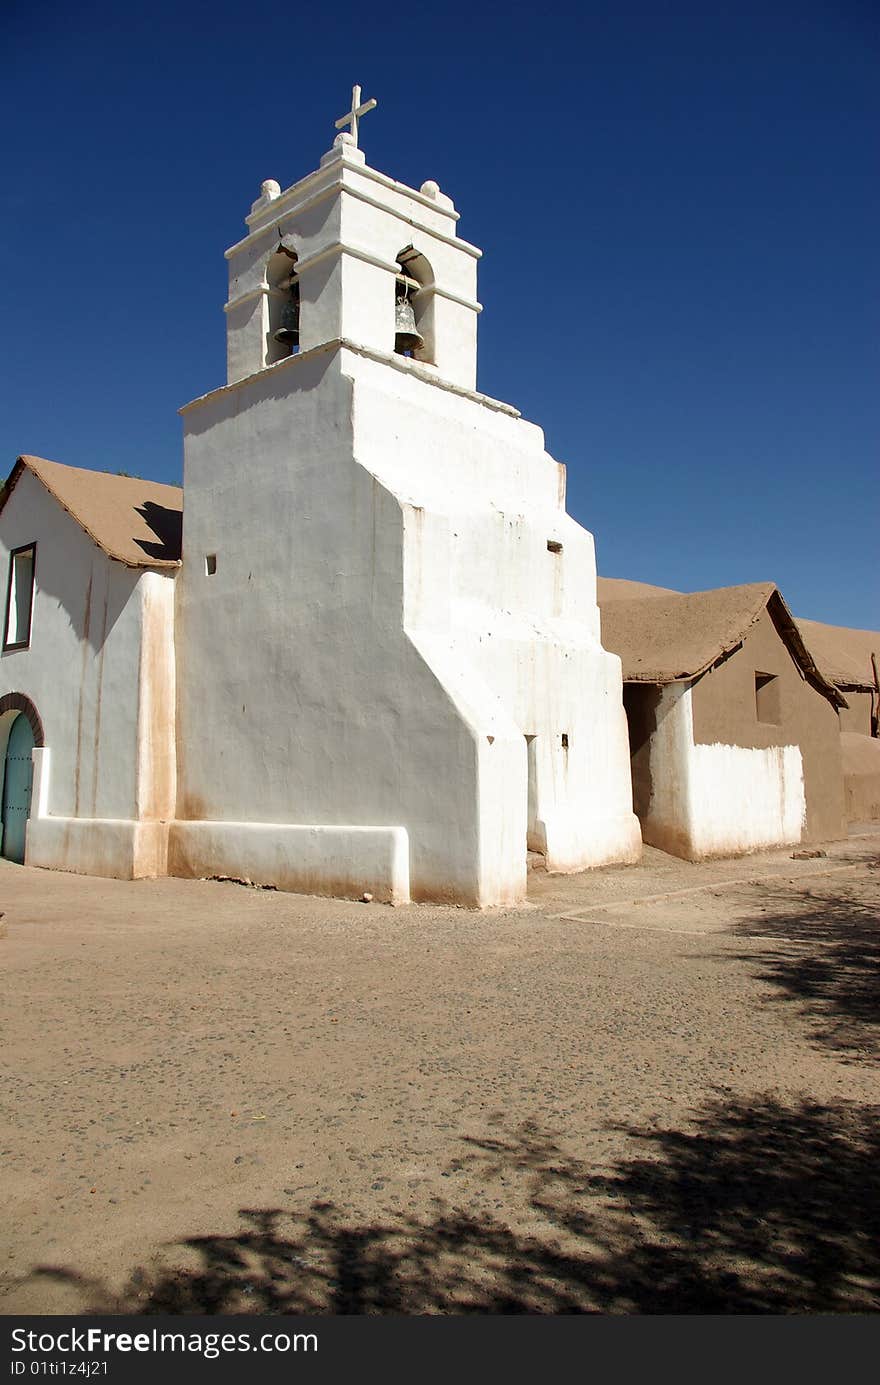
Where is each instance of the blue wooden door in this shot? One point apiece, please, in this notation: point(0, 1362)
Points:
point(17, 777)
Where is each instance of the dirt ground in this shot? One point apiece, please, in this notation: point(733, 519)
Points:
point(652, 1089)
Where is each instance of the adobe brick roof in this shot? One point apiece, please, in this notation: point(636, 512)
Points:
point(669, 637)
point(620, 588)
point(136, 522)
point(844, 654)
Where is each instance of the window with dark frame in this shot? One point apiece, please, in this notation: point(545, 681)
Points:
point(19, 598)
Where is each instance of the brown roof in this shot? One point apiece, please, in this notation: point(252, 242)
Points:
point(676, 636)
point(619, 588)
point(136, 522)
point(844, 654)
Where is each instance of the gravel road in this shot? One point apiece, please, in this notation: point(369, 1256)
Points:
point(651, 1089)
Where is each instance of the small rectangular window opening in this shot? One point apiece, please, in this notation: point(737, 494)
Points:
point(554, 546)
point(19, 597)
point(768, 707)
point(210, 564)
point(565, 740)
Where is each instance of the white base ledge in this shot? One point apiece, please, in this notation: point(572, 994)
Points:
point(117, 847)
point(345, 862)
point(573, 844)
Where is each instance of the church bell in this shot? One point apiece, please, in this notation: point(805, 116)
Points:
point(287, 332)
point(406, 335)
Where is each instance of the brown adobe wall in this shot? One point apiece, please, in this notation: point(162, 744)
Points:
point(861, 776)
point(724, 710)
point(857, 716)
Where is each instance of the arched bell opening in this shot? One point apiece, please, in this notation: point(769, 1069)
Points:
point(414, 307)
point(282, 334)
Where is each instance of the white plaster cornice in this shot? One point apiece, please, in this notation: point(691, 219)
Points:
point(284, 364)
point(404, 364)
point(262, 291)
point(339, 248)
point(291, 195)
point(275, 211)
point(434, 291)
point(271, 225)
point(459, 244)
point(407, 366)
point(395, 186)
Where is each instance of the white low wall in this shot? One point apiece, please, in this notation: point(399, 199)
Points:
point(341, 861)
point(573, 844)
point(745, 799)
point(119, 848)
point(718, 800)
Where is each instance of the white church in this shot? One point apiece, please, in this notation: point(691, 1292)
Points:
point(372, 663)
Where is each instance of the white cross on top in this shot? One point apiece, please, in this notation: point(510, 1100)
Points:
point(354, 115)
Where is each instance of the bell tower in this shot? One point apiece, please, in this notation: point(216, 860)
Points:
point(349, 255)
point(390, 677)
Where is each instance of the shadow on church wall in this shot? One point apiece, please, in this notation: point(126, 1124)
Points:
point(167, 525)
point(92, 590)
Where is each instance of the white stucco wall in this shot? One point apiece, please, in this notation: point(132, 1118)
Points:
point(718, 800)
point(294, 674)
point(386, 625)
point(86, 671)
point(481, 499)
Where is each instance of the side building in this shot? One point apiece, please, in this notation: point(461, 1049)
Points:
point(87, 758)
point(851, 659)
point(733, 727)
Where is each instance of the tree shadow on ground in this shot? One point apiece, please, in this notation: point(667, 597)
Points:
point(755, 1208)
point(827, 961)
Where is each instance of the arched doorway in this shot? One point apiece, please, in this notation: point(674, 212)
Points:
point(17, 780)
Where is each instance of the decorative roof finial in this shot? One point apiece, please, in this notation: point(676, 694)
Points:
point(357, 110)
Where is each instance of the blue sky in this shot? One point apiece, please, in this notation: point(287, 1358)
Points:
point(678, 206)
